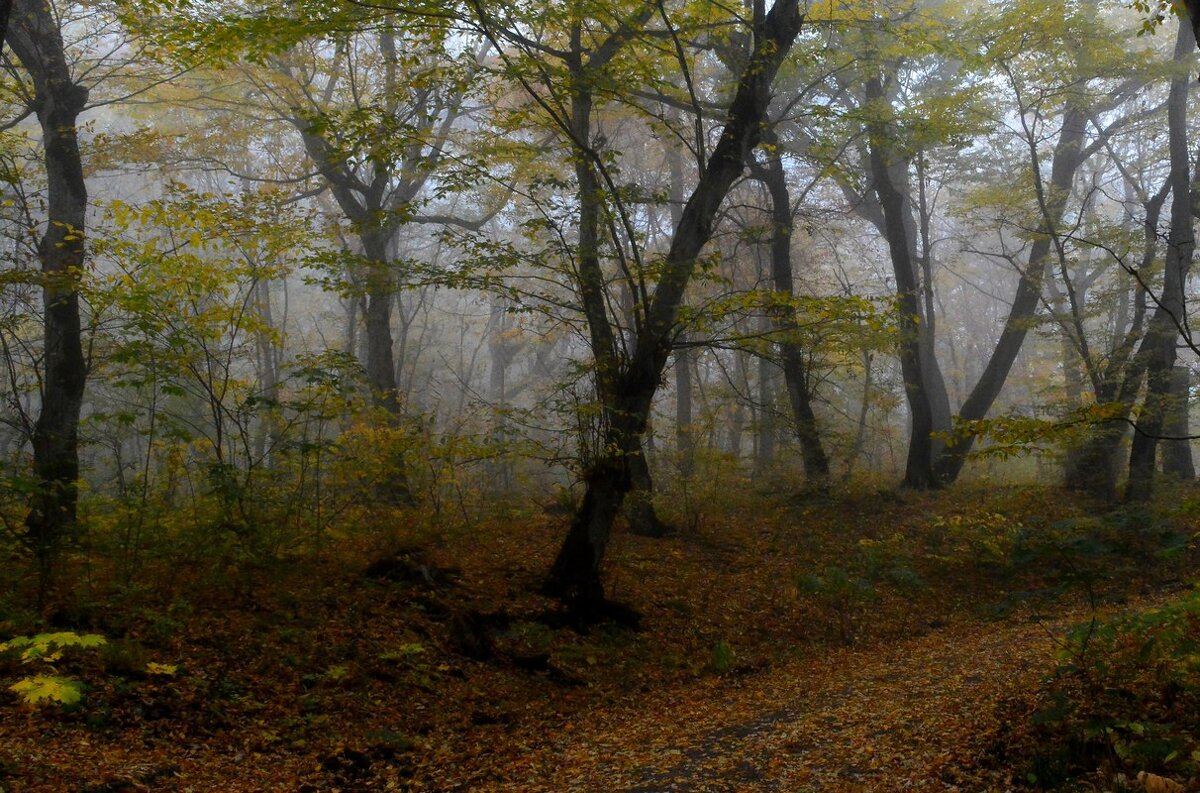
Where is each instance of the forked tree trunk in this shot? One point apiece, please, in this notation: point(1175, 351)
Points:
point(918, 472)
point(377, 202)
point(1066, 161)
point(576, 574)
point(1096, 469)
point(36, 40)
point(1162, 332)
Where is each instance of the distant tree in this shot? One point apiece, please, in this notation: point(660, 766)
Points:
point(791, 353)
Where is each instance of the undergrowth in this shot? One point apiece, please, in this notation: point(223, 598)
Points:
point(1124, 700)
point(434, 632)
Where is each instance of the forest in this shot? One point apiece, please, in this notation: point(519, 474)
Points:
point(599, 395)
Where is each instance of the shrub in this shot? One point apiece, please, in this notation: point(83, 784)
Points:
point(46, 649)
point(1124, 699)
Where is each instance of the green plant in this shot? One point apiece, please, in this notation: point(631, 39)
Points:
point(843, 593)
point(124, 658)
point(890, 560)
point(983, 539)
point(722, 658)
point(47, 649)
point(1125, 696)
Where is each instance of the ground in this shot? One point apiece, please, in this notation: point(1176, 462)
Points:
point(860, 641)
point(915, 715)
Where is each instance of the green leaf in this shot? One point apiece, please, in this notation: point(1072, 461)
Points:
point(48, 646)
point(48, 688)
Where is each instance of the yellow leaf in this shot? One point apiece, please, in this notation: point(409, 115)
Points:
point(1153, 783)
point(47, 688)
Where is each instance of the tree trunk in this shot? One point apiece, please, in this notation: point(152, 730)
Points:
point(1098, 466)
point(765, 449)
point(575, 575)
point(1162, 331)
point(921, 257)
point(685, 437)
point(1193, 17)
point(267, 438)
point(795, 375)
point(1177, 450)
point(639, 508)
point(1075, 466)
point(1066, 161)
point(1098, 462)
point(864, 408)
point(918, 473)
point(381, 369)
point(501, 353)
point(35, 38)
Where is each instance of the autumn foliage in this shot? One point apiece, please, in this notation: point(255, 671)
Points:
point(419, 655)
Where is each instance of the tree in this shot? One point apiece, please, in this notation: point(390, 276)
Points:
point(795, 376)
point(1158, 348)
point(908, 86)
point(1071, 150)
point(629, 377)
point(35, 38)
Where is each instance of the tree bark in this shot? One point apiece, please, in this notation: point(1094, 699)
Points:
point(575, 576)
point(639, 507)
point(764, 455)
point(685, 439)
point(500, 349)
point(266, 441)
point(1193, 16)
point(1162, 332)
point(795, 374)
point(6, 8)
point(380, 364)
point(1097, 469)
point(35, 38)
point(1177, 450)
point(377, 197)
point(685, 436)
point(918, 472)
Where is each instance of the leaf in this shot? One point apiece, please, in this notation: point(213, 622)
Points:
point(1153, 783)
point(165, 670)
point(48, 646)
point(48, 688)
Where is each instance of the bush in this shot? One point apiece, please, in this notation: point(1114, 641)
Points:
point(1124, 699)
point(44, 650)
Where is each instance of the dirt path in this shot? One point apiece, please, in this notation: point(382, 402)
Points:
point(913, 716)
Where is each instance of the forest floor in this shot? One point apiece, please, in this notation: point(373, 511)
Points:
point(860, 642)
point(920, 714)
